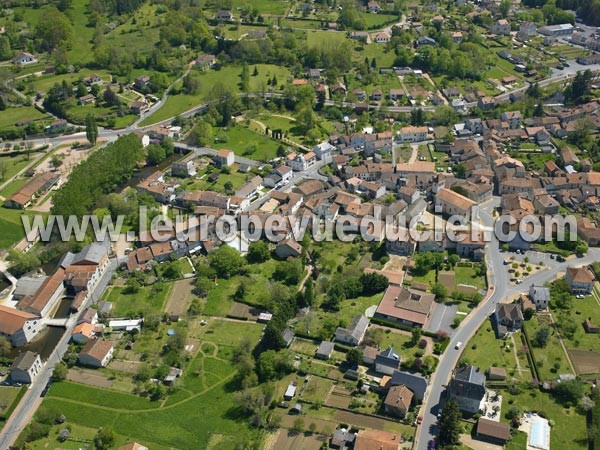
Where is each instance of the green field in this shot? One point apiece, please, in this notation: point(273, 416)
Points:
point(7, 396)
point(569, 429)
point(11, 226)
point(229, 77)
point(244, 142)
point(553, 353)
point(148, 300)
point(201, 410)
point(484, 351)
point(11, 116)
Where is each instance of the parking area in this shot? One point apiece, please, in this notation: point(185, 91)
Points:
point(442, 318)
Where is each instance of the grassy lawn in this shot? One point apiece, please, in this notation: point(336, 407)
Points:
point(7, 397)
point(569, 430)
point(201, 409)
point(179, 425)
point(10, 116)
point(79, 435)
point(484, 350)
point(316, 321)
point(319, 38)
point(583, 309)
point(317, 389)
point(148, 300)
point(546, 357)
point(247, 143)
point(14, 164)
point(11, 226)
point(229, 77)
point(222, 332)
point(467, 275)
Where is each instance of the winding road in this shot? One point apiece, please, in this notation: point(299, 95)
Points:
point(501, 288)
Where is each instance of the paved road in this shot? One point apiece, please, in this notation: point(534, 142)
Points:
point(31, 400)
point(499, 279)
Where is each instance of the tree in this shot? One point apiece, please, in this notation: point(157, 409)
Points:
point(569, 392)
point(191, 85)
point(110, 97)
point(5, 346)
point(22, 262)
point(227, 261)
point(542, 336)
point(59, 372)
point(156, 155)
point(258, 252)
point(3, 169)
point(2, 104)
point(255, 73)
point(449, 425)
point(202, 133)
point(373, 283)
point(454, 259)
point(273, 365)
point(354, 356)
point(298, 425)
point(309, 292)
point(440, 291)
point(91, 129)
point(104, 439)
point(53, 29)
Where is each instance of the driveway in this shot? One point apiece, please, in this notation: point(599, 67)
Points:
point(442, 317)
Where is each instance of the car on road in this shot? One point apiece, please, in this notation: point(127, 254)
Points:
point(560, 258)
point(432, 445)
point(552, 256)
point(419, 420)
point(458, 345)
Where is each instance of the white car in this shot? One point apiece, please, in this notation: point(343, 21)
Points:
point(458, 345)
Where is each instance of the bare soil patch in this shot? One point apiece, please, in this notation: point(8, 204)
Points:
point(340, 397)
point(181, 296)
point(243, 311)
point(585, 361)
point(89, 377)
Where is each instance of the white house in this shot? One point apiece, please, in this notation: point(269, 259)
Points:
point(24, 58)
point(224, 158)
point(26, 367)
point(19, 326)
point(412, 134)
point(96, 353)
point(324, 151)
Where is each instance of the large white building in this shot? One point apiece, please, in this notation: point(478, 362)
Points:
point(19, 326)
point(412, 134)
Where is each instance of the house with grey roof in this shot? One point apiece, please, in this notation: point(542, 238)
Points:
point(467, 387)
point(387, 361)
point(354, 333)
point(26, 367)
point(415, 382)
point(508, 318)
point(28, 285)
point(540, 296)
point(325, 350)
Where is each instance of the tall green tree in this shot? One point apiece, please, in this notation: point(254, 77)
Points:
point(449, 425)
point(91, 129)
point(53, 29)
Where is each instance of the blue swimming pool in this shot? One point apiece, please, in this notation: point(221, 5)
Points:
point(539, 435)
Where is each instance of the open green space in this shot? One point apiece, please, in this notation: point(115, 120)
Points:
point(147, 300)
point(10, 116)
point(11, 226)
point(229, 77)
point(552, 355)
point(485, 351)
point(569, 427)
point(245, 142)
point(8, 395)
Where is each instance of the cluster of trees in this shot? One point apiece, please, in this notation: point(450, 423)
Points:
point(157, 153)
point(464, 62)
point(347, 286)
point(100, 174)
point(579, 90)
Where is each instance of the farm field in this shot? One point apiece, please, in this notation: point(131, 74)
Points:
point(176, 422)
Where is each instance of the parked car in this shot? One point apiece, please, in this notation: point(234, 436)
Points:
point(458, 345)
